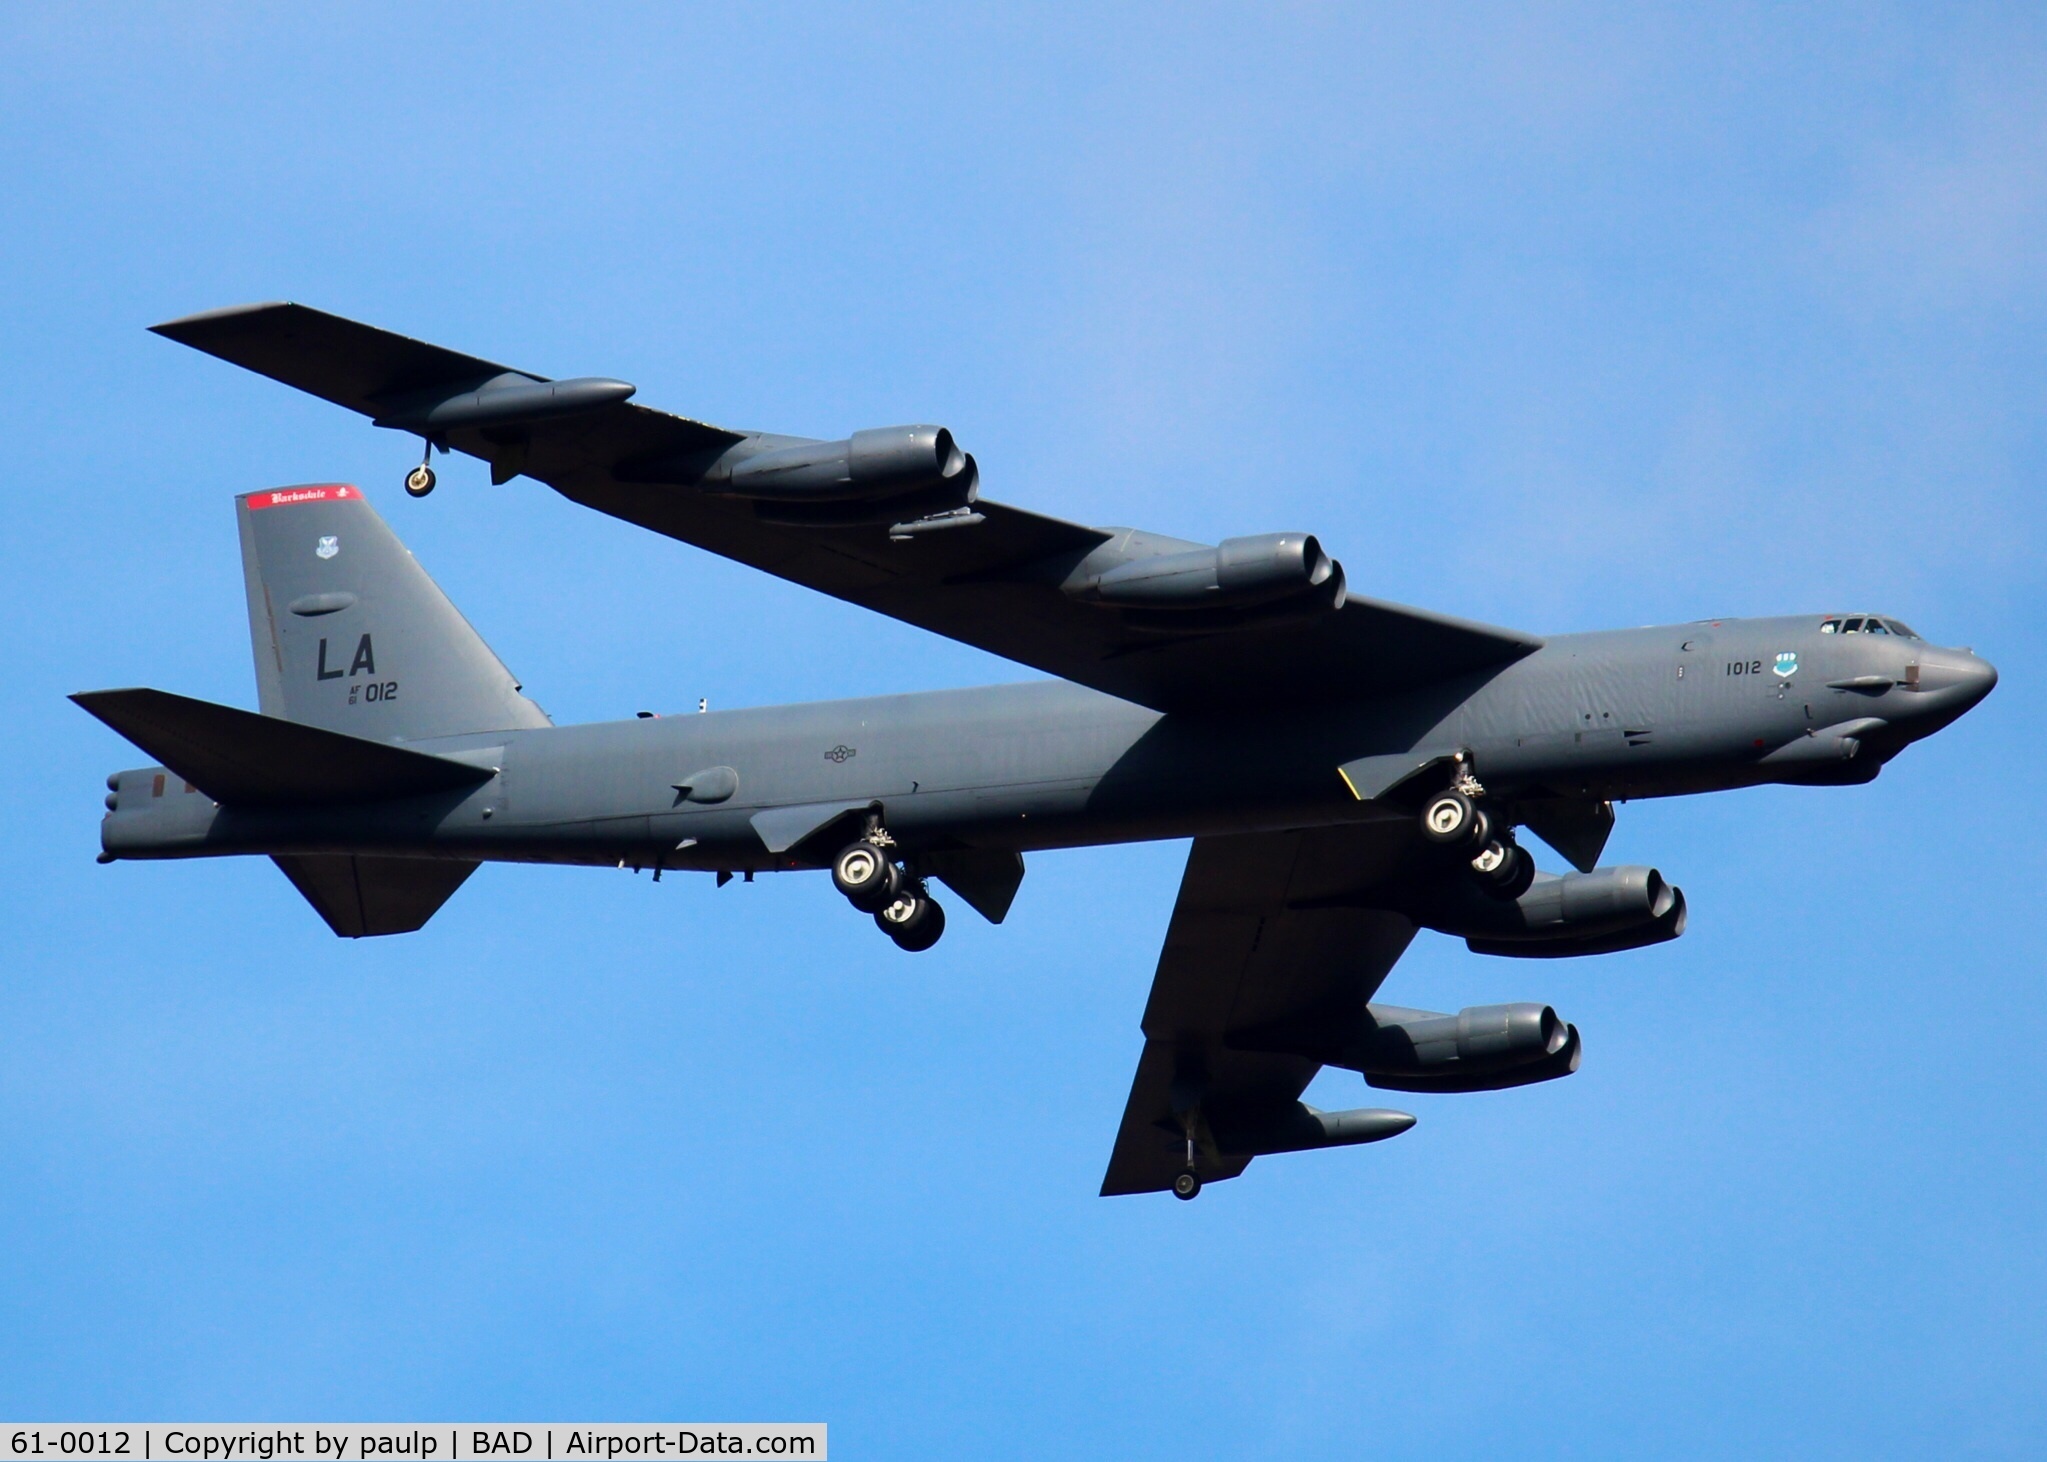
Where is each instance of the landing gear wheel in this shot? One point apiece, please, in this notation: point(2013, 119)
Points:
point(420, 480)
point(914, 921)
point(1503, 868)
point(1523, 879)
point(1187, 1186)
point(863, 873)
point(1449, 819)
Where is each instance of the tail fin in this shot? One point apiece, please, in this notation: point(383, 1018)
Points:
point(349, 632)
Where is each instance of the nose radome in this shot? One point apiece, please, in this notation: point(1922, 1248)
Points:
point(1982, 678)
point(1960, 678)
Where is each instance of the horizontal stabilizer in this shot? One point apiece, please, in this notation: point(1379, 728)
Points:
point(360, 896)
point(242, 759)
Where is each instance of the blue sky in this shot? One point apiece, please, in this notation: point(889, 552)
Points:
point(1604, 316)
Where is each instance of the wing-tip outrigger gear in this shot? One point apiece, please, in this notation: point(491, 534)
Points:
point(420, 480)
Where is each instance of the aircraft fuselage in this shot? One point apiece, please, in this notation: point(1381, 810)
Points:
point(1649, 712)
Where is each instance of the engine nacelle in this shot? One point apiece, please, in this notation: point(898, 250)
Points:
point(1601, 912)
point(882, 465)
point(1480, 1048)
point(1237, 573)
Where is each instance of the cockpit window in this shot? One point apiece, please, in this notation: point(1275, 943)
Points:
point(1866, 624)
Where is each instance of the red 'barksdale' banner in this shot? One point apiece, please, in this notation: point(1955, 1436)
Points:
point(284, 497)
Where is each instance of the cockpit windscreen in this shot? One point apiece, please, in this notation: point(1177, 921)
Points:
point(1867, 624)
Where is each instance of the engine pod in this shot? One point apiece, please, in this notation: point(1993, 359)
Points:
point(870, 466)
point(1237, 572)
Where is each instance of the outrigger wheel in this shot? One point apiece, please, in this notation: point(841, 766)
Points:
point(1186, 1185)
point(420, 480)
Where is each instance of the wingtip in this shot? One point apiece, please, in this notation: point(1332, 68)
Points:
point(172, 329)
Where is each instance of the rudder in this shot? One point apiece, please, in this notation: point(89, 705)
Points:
point(351, 634)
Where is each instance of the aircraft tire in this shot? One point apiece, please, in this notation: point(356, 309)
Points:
point(419, 481)
point(914, 922)
point(1524, 876)
point(1187, 1186)
point(1503, 869)
point(1450, 819)
point(863, 873)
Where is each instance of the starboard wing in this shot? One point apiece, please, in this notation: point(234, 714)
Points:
point(993, 582)
point(1261, 940)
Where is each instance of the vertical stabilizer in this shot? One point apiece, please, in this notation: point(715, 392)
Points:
point(349, 632)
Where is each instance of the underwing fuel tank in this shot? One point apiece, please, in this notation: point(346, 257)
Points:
point(506, 400)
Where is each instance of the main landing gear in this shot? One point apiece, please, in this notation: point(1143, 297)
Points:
point(1454, 821)
point(875, 884)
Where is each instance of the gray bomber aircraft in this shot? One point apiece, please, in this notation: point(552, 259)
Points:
point(1349, 770)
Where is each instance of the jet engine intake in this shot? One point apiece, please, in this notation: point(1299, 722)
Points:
point(1237, 573)
point(1601, 912)
point(1480, 1048)
point(884, 464)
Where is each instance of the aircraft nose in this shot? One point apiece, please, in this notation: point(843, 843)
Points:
point(1980, 679)
point(1960, 679)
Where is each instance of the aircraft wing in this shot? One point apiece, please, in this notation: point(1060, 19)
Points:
point(994, 582)
point(1261, 942)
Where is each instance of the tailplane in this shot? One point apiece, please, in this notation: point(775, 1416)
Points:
point(351, 635)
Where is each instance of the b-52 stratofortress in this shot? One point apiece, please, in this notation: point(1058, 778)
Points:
point(1349, 770)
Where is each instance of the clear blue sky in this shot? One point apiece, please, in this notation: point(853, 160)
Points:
point(1609, 316)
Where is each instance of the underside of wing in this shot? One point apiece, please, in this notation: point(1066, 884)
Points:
point(1262, 947)
point(892, 520)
